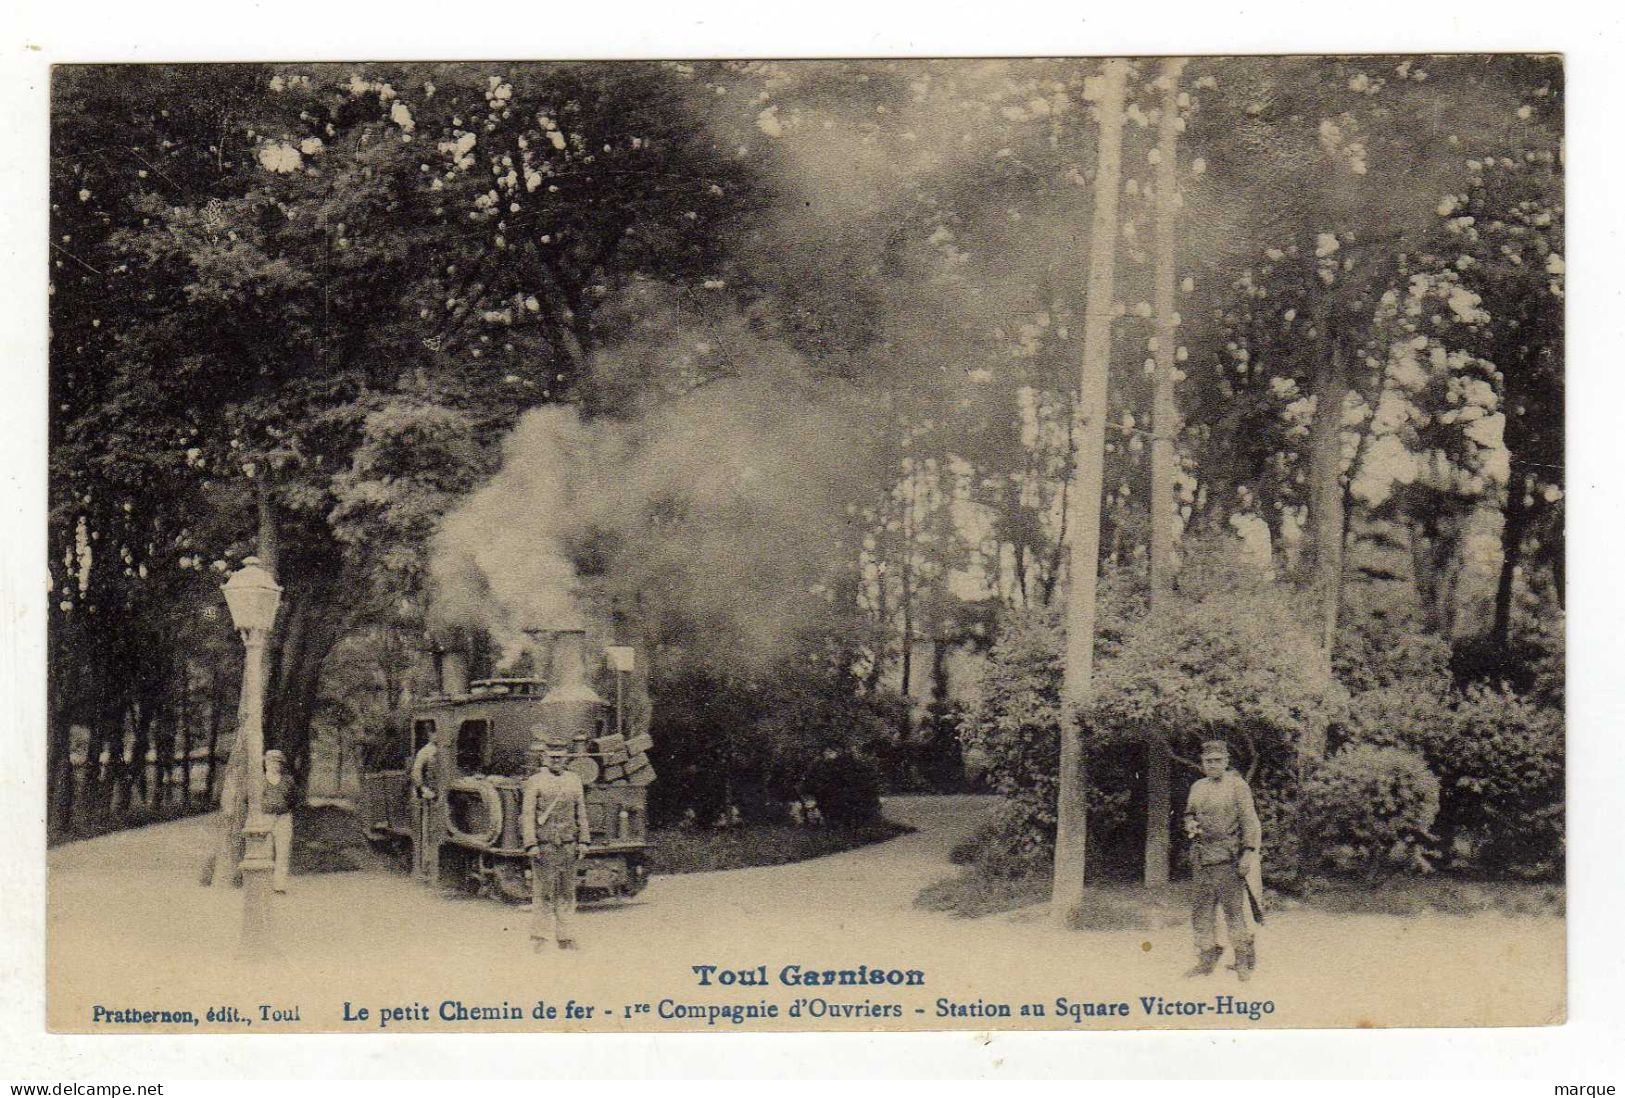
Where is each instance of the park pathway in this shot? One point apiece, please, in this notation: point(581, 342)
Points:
point(129, 927)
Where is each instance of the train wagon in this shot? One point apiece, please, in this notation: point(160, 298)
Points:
point(489, 736)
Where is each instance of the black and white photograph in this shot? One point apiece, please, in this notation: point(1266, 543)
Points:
point(776, 545)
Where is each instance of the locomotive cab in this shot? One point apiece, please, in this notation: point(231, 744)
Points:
point(488, 738)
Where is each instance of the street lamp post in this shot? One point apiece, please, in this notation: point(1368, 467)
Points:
point(252, 595)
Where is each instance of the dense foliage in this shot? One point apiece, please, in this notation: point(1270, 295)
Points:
point(756, 739)
point(1367, 810)
point(1225, 659)
point(1012, 737)
point(794, 348)
point(1425, 773)
point(1498, 756)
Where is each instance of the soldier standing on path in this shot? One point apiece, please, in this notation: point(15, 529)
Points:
point(553, 825)
point(277, 802)
point(1225, 835)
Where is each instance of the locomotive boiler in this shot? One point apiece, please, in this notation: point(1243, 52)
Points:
point(459, 815)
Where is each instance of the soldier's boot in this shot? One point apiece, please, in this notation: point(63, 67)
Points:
point(568, 943)
point(1205, 962)
point(1246, 961)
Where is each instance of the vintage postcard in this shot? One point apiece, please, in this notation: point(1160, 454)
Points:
point(739, 546)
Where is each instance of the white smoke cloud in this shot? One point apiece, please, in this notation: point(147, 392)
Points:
point(719, 521)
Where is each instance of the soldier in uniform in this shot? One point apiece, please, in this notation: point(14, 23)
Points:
point(426, 788)
point(1222, 824)
point(553, 826)
point(277, 801)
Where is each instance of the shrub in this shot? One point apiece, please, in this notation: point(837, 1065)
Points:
point(1277, 801)
point(846, 787)
point(1227, 659)
point(1414, 714)
point(973, 894)
point(1405, 659)
point(1381, 646)
point(1005, 847)
point(1014, 730)
point(1499, 759)
point(1369, 809)
point(747, 736)
point(940, 757)
point(1502, 774)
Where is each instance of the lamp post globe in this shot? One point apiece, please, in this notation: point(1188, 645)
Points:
point(252, 595)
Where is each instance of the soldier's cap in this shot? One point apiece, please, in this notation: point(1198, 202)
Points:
point(1215, 745)
point(275, 754)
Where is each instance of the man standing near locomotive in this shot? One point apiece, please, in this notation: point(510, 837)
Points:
point(554, 828)
point(1222, 824)
point(426, 786)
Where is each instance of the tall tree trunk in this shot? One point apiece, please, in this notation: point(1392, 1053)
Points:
point(1164, 414)
point(1331, 388)
point(1052, 574)
point(1164, 433)
point(1559, 560)
point(906, 594)
point(939, 665)
point(62, 781)
point(1513, 528)
point(228, 848)
point(133, 756)
point(906, 672)
point(877, 663)
point(1325, 563)
point(216, 704)
point(1425, 575)
point(311, 628)
point(905, 590)
point(163, 757)
point(269, 539)
point(1071, 817)
point(183, 720)
point(59, 745)
point(1435, 560)
point(1158, 803)
point(99, 776)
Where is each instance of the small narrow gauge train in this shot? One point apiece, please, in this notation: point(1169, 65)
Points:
point(457, 808)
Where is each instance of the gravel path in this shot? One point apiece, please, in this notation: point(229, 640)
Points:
point(130, 928)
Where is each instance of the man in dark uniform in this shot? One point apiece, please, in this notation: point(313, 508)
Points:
point(1222, 824)
point(554, 828)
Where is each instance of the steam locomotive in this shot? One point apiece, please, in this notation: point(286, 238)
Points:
point(459, 815)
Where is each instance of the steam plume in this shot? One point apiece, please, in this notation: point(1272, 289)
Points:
point(717, 520)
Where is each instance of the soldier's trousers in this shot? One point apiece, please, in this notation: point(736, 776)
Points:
point(553, 892)
point(428, 842)
point(1219, 886)
point(281, 849)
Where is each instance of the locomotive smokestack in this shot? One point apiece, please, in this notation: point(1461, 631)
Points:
point(453, 673)
point(568, 671)
point(570, 710)
point(450, 665)
point(562, 650)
